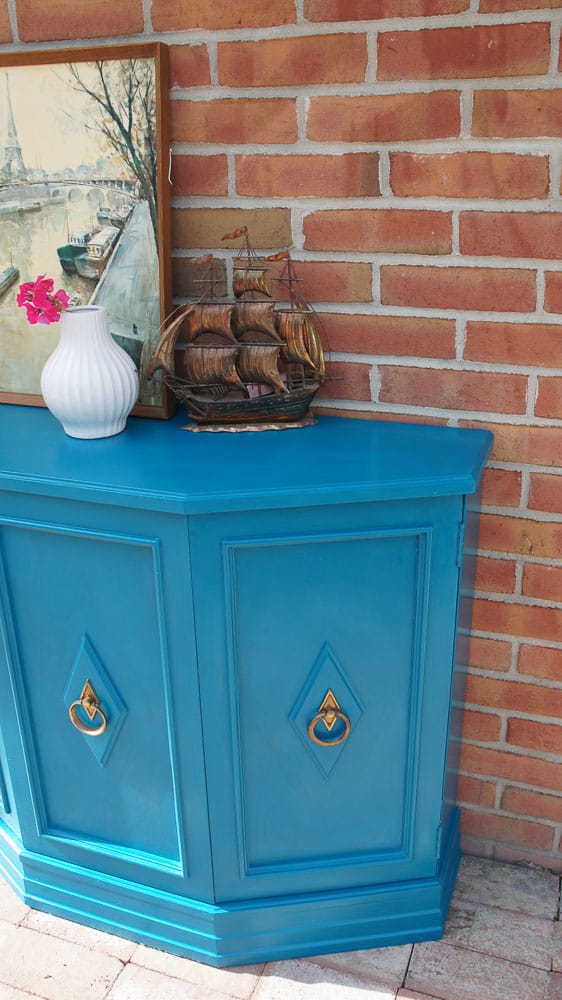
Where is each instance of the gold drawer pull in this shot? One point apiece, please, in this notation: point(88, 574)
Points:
point(328, 712)
point(91, 705)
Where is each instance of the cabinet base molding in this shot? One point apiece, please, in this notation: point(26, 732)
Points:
point(237, 933)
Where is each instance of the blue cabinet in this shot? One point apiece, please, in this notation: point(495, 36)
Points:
point(262, 765)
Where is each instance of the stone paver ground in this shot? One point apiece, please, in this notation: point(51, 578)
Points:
point(503, 941)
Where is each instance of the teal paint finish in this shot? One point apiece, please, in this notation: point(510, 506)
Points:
point(213, 588)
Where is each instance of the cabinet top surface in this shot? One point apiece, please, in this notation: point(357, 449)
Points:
point(156, 465)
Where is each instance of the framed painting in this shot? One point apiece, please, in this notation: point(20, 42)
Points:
point(85, 200)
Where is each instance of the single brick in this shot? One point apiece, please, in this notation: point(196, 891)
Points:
point(476, 792)
point(501, 533)
point(379, 231)
point(549, 399)
point(540, 661)
point(544, 582)
point(200, 175)
point(335, 281)
point(528, 803)
point(495, 575)
point(511, 234)
point(351, 175)
point(553, 292)
point(489, 654)
point(459, 53)
point(189, 272)
point(293, 62)
point(477, 288)
point(487, 762)
point(454, 390)
point(541, 736)
point(267, 120)
point(501, 486)
point(371, 10)
point(195, 228)
point(515, 114)
point(518, 619)
point(481, 727)
point(177, 15)
point(411, 336)
point(523, 855)
point(506, 829)
point(514, 696)
point(189, 66)
point(514, 343)
point(546, 492)
point(5, 28)
point(469, 175)
point(347, 381)
point(523, 445)
point(384, 117)
point(41, 22)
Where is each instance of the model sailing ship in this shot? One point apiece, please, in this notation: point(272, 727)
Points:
point(254, 361)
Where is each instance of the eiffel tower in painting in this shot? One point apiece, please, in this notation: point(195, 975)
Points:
point(13, 167)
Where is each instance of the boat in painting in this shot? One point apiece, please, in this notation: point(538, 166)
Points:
point(256, 359)
point(92, 263)
point(76, 245)
point(8, 277)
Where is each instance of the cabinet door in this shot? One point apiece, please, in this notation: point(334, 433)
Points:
point(326, 642)
point(104, 601)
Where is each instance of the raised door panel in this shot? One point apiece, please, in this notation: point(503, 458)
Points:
point(88, 605)
point(315, 608)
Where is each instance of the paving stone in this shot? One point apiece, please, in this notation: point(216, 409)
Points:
point(51, 968)
point(526, 889)
point(453, 973)
point(384, 966)
point(10, 993)
point(414, 995)
point(303, 980)
point(501, 933)
point(555, 987)
point(12, 910)
point(235, 982)
point(136, 983)
point(557, 957)
point(87, 937)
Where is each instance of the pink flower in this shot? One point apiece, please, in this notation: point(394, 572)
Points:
point(42, 305)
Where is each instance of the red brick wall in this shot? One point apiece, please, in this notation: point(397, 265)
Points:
point(409, 151)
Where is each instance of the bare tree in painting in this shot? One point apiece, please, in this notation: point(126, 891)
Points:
point(124, 112)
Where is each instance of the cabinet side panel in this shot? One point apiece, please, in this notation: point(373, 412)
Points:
point(90, 610)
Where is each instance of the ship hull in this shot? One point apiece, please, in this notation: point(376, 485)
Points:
point(67, 257)
point(8, 278)
point(275, 408)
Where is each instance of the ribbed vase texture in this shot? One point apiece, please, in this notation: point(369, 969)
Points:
point(89, 383)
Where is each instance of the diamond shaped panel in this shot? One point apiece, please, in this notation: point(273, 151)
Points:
point(89, 667)
point(326, 684)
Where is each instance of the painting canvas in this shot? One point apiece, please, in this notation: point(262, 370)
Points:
point(84, 199)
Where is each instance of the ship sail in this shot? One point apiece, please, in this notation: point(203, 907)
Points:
point(254, 318)
point(251, 279)
point(258, 363)
point(209, 317)
point(212, 366)
point(293, 328)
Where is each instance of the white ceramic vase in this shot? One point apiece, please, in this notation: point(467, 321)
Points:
point(89, 383)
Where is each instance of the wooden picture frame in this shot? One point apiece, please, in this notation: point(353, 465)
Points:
point(85, 149)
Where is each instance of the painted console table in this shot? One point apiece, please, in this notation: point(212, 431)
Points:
point(227, 680)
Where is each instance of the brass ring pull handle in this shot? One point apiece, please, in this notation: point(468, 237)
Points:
point(328, 712)
point(89, 701)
